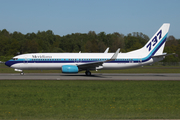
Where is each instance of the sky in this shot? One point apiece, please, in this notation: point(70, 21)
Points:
point(81, 16)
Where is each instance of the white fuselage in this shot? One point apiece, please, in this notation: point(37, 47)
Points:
point(55, 61)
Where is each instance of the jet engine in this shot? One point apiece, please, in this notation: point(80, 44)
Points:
point(70, 69)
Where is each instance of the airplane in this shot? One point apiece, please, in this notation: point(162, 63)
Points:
point(75, 62)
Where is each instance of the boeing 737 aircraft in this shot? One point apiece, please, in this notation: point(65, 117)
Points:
point(75, 62)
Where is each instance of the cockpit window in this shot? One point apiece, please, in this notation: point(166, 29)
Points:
point(15, 58)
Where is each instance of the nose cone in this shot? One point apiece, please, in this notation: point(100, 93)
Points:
point(8, 63)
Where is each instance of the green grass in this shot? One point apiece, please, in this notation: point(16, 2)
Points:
point(145, 69)
point(89, 99)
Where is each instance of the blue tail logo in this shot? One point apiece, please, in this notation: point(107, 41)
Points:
point(154, 40)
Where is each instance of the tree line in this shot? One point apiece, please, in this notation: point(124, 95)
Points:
point(15, 43)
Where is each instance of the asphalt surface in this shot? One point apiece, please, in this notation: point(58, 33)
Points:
point(94, 76)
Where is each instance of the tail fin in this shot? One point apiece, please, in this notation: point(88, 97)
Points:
point(155, 45)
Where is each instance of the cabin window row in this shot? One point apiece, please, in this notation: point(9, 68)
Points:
point(87, 59)
point(79, 59)
point(46, 59)
point(124, 60)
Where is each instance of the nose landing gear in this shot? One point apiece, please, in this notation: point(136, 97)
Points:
point(19, 70)
point(21, 73)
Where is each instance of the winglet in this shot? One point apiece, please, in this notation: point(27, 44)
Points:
point(106, 51)
point(115, 54)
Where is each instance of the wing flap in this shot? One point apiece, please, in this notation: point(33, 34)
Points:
point(91, 65)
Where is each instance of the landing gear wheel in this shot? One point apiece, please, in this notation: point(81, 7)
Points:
point(88, 73)
point(21, 73)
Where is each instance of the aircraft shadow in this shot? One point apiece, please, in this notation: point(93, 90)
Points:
point(80, 75)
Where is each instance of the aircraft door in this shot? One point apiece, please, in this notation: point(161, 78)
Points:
point(26, 60)
point(140, 60)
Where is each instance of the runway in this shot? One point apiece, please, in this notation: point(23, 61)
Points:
point(95, 76)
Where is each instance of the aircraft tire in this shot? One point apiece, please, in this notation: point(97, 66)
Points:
point(88, 73)
point(21, 73)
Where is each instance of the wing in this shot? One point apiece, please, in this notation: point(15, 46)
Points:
point(94, 65)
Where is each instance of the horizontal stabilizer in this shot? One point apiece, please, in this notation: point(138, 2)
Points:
point(164, 54)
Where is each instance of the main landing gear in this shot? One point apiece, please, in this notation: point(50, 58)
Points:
point(88, 73)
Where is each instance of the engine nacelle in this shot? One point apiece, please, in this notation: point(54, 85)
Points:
point(70, 69)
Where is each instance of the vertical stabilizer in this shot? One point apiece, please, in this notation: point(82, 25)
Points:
point(155, 45)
